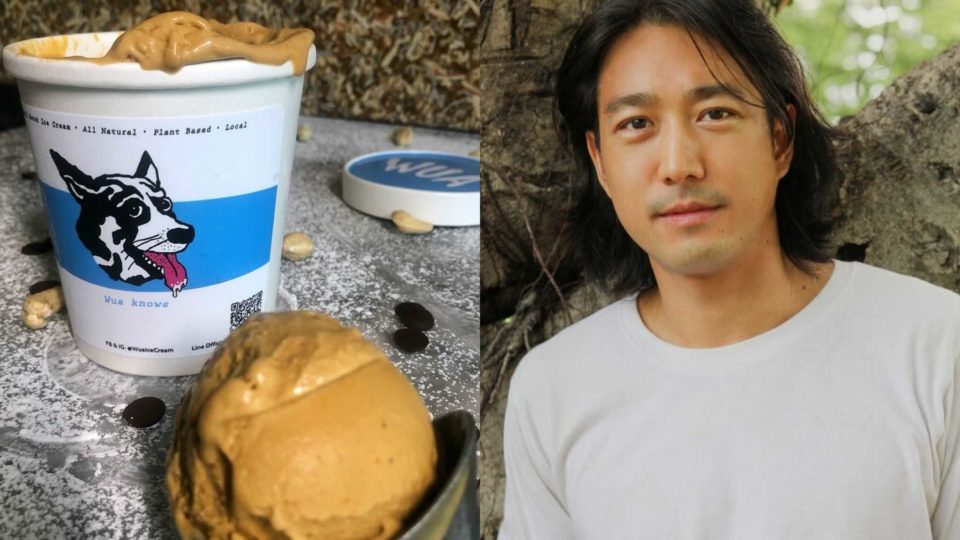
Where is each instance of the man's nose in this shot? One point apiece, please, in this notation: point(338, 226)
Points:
point(681, 156)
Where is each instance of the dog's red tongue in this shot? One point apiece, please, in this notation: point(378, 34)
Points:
point(174, 274)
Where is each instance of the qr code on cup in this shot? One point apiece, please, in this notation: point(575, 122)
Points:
point(242, 310)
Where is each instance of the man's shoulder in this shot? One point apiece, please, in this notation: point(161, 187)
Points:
point(885, 299)
point(575, 344)
point(896, 290)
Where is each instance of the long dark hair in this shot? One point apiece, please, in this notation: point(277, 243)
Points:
point(804, 195)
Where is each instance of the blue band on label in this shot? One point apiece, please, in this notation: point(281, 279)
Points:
point(421, 171)
point(225, 238)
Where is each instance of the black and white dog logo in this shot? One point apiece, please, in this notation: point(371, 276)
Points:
point(128, 224)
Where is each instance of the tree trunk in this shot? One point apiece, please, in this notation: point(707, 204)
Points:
point(897, 202)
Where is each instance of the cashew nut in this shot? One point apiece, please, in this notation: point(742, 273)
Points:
point(38, 308)
point(304, 133)
point(402, 136)
point(297, 246)
point(409, 224)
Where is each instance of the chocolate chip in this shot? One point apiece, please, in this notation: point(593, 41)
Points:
point(413, 315)
point(37, 248)
point(41, 286)
point(410, 340)
point(144, 412)
point(28, 175)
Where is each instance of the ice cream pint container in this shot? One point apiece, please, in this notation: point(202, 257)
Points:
point(165, 193)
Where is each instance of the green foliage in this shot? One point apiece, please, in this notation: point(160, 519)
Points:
point(853, 49)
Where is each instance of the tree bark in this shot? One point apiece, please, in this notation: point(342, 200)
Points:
point(897, 202)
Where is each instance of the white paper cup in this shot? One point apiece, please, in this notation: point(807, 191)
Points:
point(166, 196)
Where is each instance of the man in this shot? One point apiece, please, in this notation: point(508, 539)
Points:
point(747, 386)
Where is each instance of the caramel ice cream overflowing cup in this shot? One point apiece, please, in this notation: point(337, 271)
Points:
point(172, 40)
point(164, 157)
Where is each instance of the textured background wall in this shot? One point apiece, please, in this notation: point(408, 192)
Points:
point(404, 62)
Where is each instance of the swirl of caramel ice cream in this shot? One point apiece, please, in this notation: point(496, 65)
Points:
point(172, 40)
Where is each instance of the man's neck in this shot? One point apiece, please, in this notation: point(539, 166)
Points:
point(744, 300)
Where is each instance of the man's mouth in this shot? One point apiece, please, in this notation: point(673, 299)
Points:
point(688, 213)
point(174, 274)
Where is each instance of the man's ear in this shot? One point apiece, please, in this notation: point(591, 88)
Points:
point(783, 143)
point(79, 184)
point(594, 151)
point(146, 169)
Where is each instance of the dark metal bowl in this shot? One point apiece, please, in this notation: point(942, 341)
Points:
point(449, 510)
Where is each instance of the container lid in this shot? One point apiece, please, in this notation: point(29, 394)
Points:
point(441, 188)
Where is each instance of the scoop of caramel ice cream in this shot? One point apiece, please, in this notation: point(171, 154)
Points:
point(299, 428)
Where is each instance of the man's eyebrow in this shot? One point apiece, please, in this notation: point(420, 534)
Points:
point(700, 93)
point(639, 99)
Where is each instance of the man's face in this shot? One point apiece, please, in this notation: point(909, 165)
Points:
point(692, 171)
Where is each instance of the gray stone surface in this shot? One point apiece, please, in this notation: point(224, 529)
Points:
point(70, 467)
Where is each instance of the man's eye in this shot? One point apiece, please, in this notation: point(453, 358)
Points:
point(637, 123)
point(718, 114)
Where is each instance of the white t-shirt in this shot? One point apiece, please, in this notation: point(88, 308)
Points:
point(843, 422)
